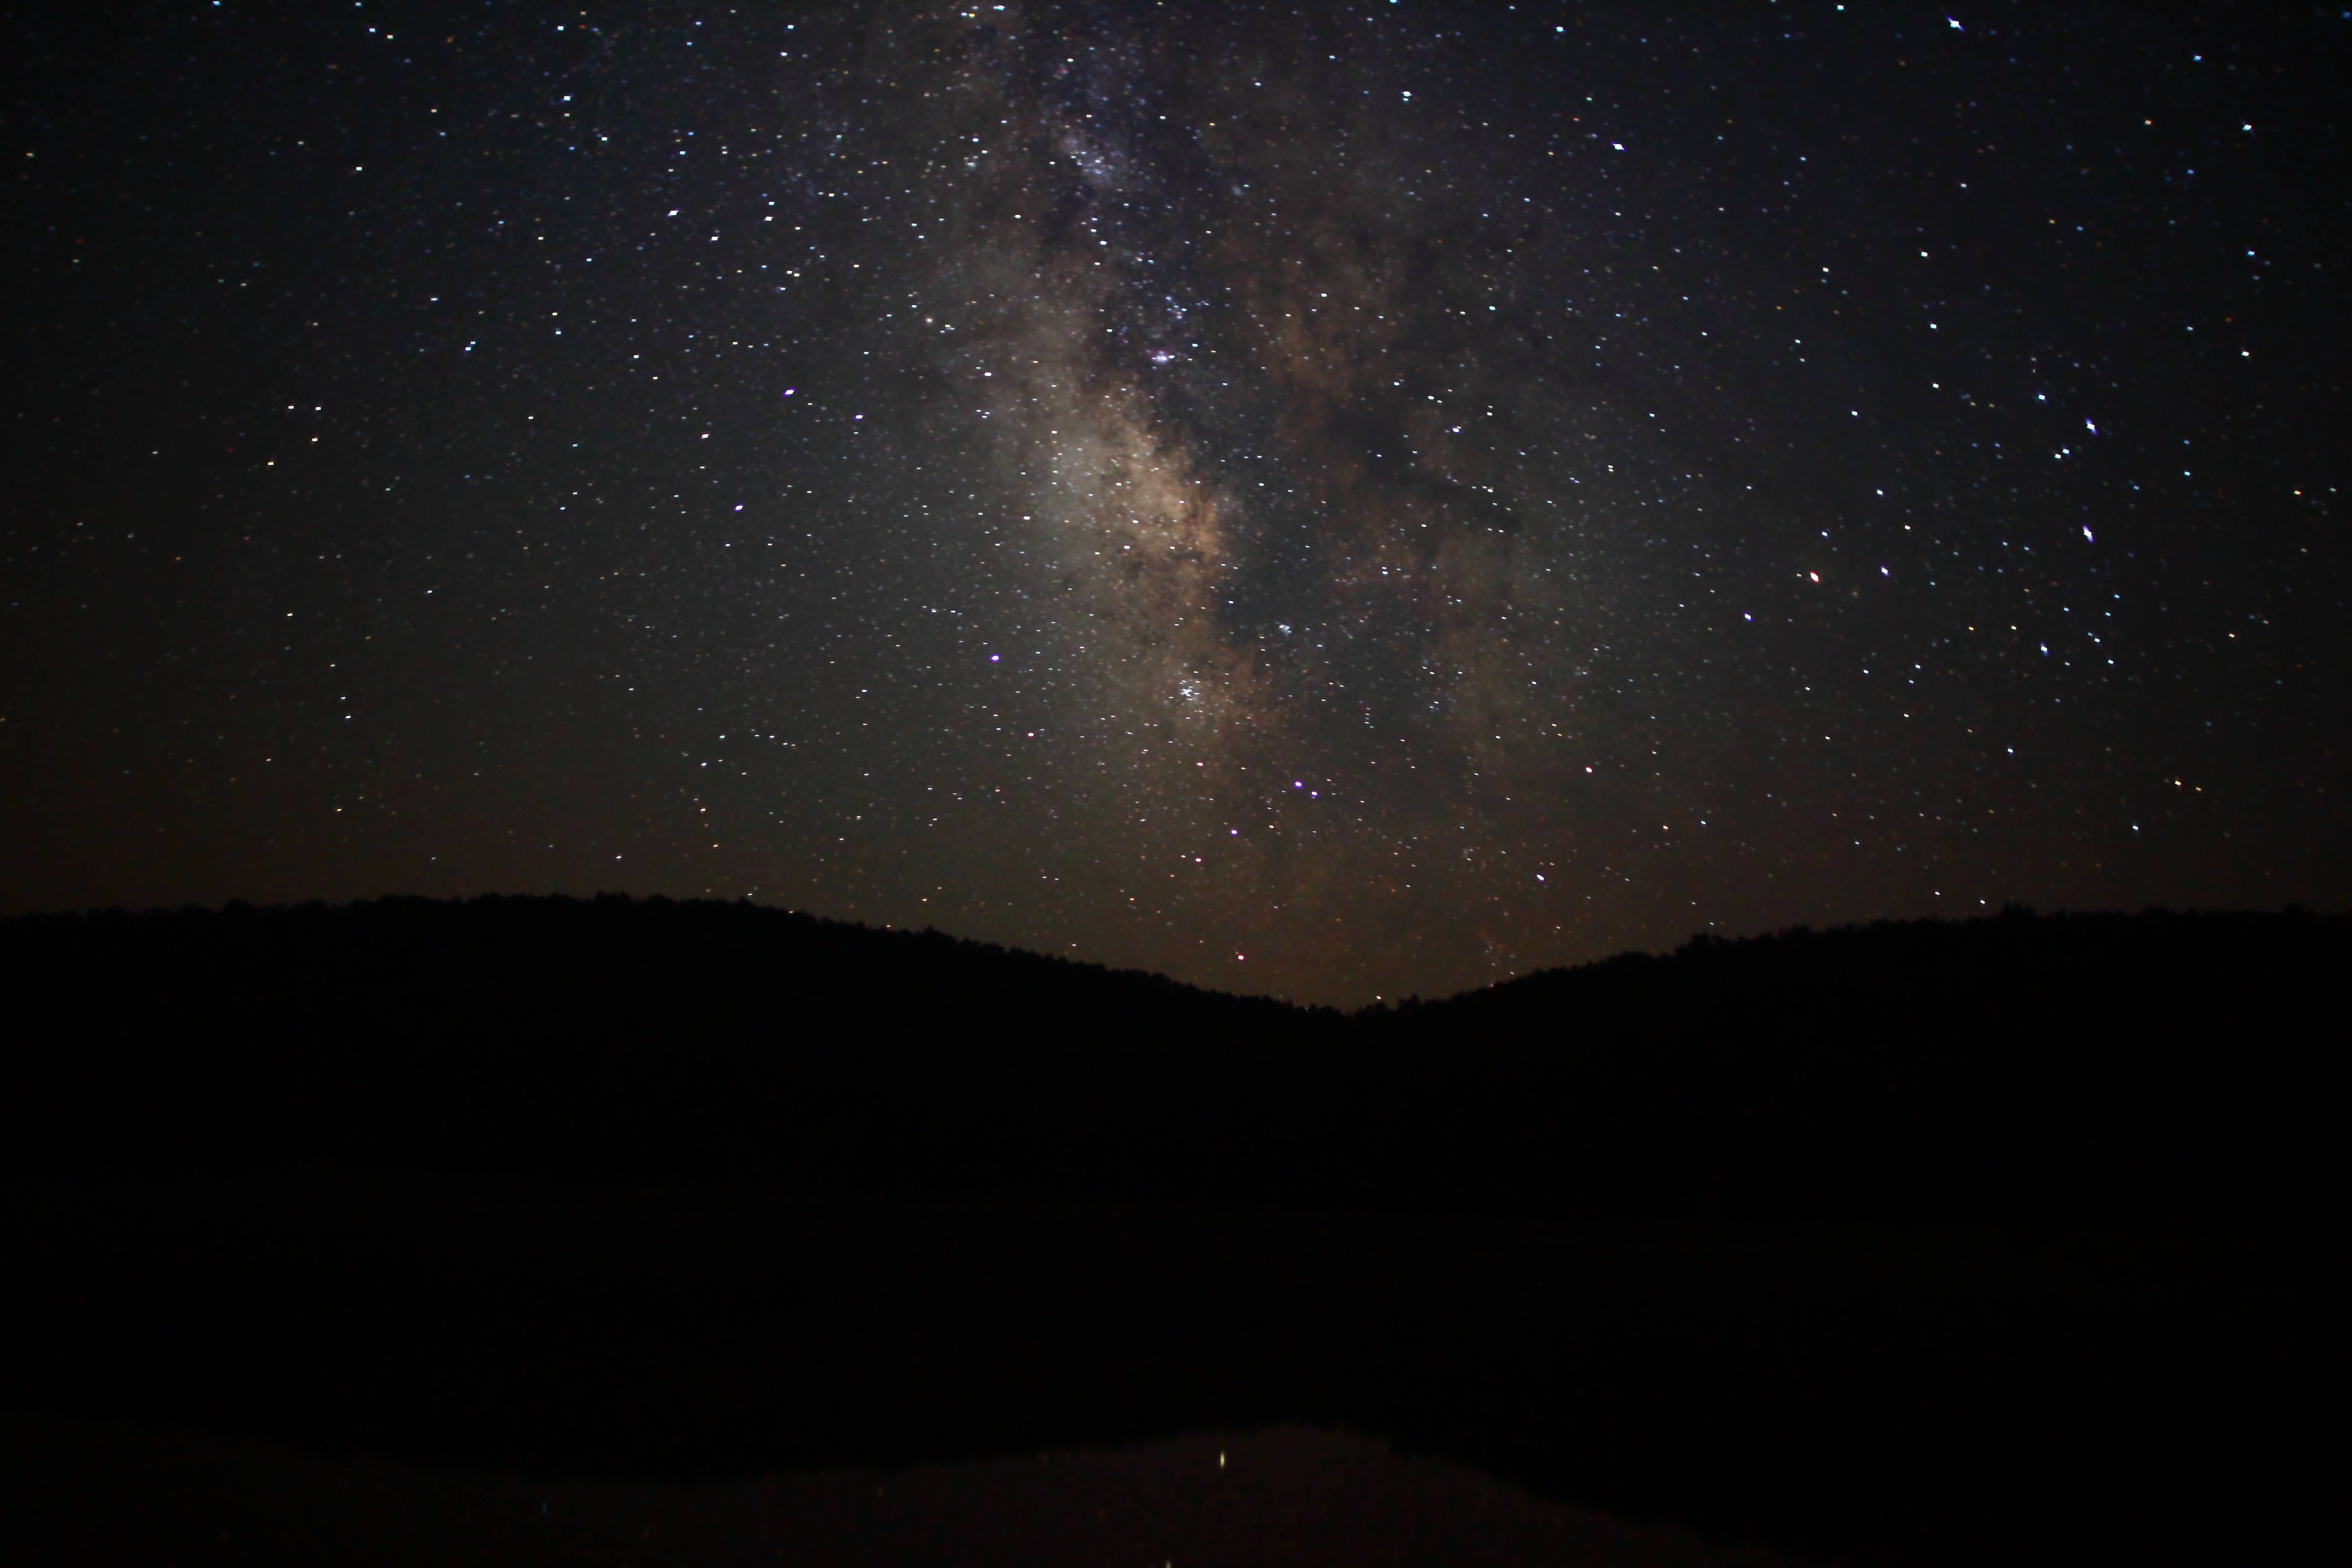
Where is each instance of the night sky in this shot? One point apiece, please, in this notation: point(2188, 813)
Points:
point(1349, 503)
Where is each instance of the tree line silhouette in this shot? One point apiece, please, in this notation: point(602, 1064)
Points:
point(2016, 1069)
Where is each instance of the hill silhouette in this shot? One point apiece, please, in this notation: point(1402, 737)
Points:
point(2018, 1070)
point(1908, 1242)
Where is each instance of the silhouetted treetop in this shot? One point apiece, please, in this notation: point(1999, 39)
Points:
point(2018, 1067)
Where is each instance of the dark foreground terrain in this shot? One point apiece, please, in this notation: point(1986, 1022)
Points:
point(1919, 1242)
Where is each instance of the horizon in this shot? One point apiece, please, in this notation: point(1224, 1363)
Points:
point(1377, 1003)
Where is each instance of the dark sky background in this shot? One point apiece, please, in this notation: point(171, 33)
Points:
point(1367, 500)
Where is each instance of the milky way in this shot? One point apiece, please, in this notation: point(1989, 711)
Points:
point(1286, 457)
point(1345, 504)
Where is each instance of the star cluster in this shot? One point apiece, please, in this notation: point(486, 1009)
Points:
point(1343, 503)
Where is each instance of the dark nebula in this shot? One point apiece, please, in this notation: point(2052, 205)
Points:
point(1340, 502)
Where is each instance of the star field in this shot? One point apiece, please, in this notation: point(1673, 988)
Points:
point(1342, 503)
